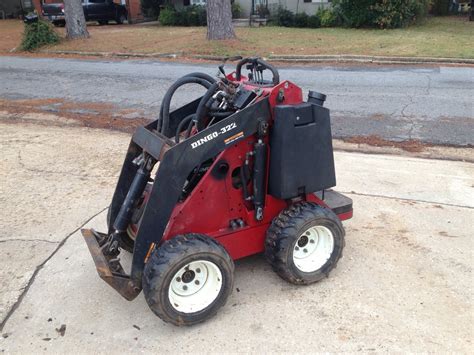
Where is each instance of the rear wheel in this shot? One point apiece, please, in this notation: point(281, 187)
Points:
point(187, 279)
point(304, 243)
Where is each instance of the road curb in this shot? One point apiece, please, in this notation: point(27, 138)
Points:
point(113, 54)
point(343, 58)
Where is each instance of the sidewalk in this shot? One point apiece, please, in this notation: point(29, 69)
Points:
point(404, 284)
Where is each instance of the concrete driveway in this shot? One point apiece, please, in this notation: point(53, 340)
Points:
point(404, 284)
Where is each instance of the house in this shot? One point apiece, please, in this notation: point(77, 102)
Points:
point(251, 7)
point(14, 8)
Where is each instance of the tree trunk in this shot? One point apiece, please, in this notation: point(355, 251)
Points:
point(219, 20)
point(75, 20)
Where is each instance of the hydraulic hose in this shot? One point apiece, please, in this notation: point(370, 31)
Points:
point(185, 121)
point(203, 107)
point(202, 76)
point(202, 79)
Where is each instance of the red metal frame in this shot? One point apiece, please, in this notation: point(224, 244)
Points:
point(215, 202)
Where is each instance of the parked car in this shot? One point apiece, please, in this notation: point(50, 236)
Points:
point(101, 11)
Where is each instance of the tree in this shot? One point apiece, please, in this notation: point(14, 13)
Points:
point(75, 20)
point(219, 20)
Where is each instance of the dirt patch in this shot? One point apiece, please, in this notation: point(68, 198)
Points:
point(61, 112)
point(413, 146)
point(12, 31)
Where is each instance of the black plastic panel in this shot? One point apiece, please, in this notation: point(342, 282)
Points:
point(337, 202)
point(301, 159)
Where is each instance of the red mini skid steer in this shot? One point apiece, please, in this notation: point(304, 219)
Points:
point(246, 168)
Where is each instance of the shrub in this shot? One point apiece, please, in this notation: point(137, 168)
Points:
point(398, 13)
point(284, 17)
point(380, 13)
point(168, 16)
point(301, 20)
point(355, 13)
point(328, 17)
point(38, 34)
point(188, 16)
point(151, 8)
point(236, 10)
point(314, 21)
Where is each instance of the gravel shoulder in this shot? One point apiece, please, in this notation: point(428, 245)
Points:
point(404, 284)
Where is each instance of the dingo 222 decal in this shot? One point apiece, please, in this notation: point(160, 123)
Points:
point(216, 134)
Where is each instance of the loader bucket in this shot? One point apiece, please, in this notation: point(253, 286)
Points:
point(117, 279)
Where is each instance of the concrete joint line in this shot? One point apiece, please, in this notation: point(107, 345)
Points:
point(39, 267)
point(28, 240)
point(406, 199)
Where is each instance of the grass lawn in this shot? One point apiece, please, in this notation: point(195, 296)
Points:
point(436, 37)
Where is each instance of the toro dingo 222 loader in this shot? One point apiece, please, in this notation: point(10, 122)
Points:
point(245, 169)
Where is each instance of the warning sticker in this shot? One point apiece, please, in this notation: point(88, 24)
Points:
point(233, 138)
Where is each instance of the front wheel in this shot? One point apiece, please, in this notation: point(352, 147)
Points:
point(304, 243)
point(187, 279)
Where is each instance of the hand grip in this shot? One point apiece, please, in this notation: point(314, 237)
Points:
point(256, 62)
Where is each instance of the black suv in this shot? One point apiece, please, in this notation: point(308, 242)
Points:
point(101, 11)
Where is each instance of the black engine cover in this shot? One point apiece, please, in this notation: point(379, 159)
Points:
point(301, 153)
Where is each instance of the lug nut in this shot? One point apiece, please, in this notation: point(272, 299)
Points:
point(185, 287)
point(297, 248)
point(305, 250)
point(178, 279)
point(311, 241)
point(198, 270)
point(196, 282)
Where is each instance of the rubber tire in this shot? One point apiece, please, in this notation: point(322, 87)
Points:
point(168, 259)
point(121, 19)
point(284, 232)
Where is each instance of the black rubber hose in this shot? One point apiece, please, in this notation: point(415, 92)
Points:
point(188, 130)
point(202, 76)
point(184, 121)
point(221, 114)
point(244, 179)
point(203, 107)
point(196, 75)
point(163, 121)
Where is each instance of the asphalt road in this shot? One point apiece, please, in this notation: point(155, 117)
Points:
point(431, 104)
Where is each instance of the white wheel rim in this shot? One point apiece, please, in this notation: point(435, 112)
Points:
point(195, 286)
point(313, 249)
